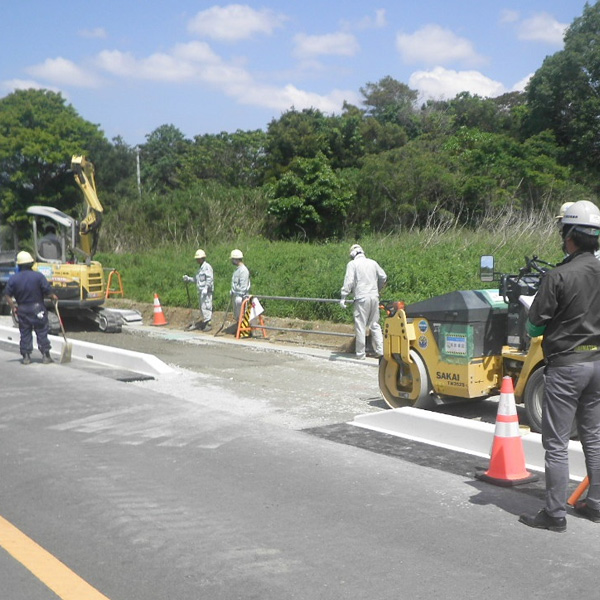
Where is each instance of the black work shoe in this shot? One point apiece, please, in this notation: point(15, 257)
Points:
point(544, 521)
point(26, 359)
point(47, 359)
point(581, 508)
point(207, 326)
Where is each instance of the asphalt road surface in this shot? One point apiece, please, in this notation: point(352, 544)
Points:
point(238, 477)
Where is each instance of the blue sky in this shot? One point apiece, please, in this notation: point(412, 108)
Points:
point(133, 65)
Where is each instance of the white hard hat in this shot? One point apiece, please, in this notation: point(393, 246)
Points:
point(236, 254)
point(24, 258)
point(584, 216)
point(200, 253)
point(356, 249)
point(563, 209)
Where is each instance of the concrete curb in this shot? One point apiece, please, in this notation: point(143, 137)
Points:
point(138, 362)
point(462, 435)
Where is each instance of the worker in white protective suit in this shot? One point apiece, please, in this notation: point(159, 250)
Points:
point(204, 280)
point(240, 282)
point(364, 279)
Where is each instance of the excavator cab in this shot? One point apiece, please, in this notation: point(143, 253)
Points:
point(64, 252)
point(54, 235)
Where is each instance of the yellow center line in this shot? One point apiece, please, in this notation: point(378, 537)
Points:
point(47, 568)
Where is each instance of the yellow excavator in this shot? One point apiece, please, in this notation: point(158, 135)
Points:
point(64, 251)
point(459, 346)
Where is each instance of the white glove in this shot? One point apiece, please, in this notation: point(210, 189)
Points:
point(188, 279)
point(343, 303)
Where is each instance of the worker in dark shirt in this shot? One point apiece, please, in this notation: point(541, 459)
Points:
point(25, 293)
point(566, 311)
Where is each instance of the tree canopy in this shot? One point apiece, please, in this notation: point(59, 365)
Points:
point(39, 133)
point(384, 166)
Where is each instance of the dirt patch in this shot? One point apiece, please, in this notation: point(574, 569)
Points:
point(181, 318)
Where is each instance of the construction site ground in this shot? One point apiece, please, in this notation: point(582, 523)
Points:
point(180, 318)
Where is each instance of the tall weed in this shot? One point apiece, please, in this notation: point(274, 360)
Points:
point(419, 264)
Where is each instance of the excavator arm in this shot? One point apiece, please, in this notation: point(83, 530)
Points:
point(89, 227)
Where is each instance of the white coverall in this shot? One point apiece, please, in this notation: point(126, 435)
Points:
point(365, 279)
point(204, 281)
point(240, 288)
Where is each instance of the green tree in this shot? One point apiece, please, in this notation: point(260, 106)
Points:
point(563, 95)
point(390, 101)
point(162, 158)
point(116, 173)
point(236, 159)
point(296, 134)
point(496, 170)
point(39, 133)
point(310, 200)
point(406, 187)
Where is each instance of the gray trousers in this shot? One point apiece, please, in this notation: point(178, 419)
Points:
point(205, 304)
point(366, 314)
point(571, 391)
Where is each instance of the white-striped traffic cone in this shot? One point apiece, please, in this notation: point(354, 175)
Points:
point(159, 317)
point(507, 462)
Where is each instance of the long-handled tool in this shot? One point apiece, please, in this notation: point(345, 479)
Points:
point(65, 355)
point(224, 318)
point(578, 491)
point(192, 324)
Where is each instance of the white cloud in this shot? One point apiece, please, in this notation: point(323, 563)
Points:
point(234, 22)
point(542, 27)
point(369, 22)
point(339, 44)
point(62, 71)
point(193, 62)
point(440, 83)
point(436, 45)
point(96, 33)
point(522, 84)
point(196, 52)
point(11, 85)
point(509, 16)
point(289, 96)
point(197, 63)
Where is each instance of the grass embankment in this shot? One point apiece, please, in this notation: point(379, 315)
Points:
point(419, 264)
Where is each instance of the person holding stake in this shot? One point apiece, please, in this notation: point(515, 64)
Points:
point(240, 282)
point(204, 280)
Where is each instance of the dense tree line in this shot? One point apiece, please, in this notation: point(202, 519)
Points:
point(385, 166)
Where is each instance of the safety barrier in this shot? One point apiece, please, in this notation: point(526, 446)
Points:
point(245, 326)
point(117, 292)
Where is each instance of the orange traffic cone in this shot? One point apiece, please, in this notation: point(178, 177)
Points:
point(507, 463)
point(159, 317)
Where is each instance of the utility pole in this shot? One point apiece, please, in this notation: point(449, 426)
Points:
point(138, 173)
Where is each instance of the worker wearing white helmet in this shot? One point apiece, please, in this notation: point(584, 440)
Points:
point(25, 293)
point(204, 280)
point(240, 282)
point(364, 279)
point(566, 311)
point(563, 210)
